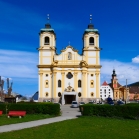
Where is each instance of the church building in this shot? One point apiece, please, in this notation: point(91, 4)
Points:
point(69, 76)
point(119, 91)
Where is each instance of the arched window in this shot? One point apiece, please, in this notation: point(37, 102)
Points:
point(79, 94)
point(59, 94)
point(46, 41)
point(59, 83)
point(91, 41)
point(46, 94)
point(79, 83)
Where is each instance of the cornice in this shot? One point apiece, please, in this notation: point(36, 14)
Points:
point(69, 47)
point(96, 49)
point(69, 66)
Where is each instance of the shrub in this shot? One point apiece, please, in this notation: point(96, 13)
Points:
point(130, 111)
point(32, 108)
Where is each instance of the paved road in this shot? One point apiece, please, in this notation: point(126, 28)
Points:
point(67, 113)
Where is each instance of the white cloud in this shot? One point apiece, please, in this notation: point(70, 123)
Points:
point(21, 67)
point(18, 64)
point(135, 59)
point(124, 71)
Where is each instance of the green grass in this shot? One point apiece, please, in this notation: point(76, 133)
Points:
point(29, 117)
point(81, 128)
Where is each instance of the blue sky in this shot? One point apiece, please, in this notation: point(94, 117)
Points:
point(21, 21)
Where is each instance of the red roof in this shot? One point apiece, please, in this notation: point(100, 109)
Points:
point(105, 83)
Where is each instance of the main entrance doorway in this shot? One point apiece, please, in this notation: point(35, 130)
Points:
point(69, 98)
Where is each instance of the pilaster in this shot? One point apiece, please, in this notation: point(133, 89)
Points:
point(41, 85)
point(54, 83)
point(63, 81)
point(75, 81)
point(84, 82)
point(97, 85)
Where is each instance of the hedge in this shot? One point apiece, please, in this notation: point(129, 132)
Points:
point(32, 108)
point(124, 111)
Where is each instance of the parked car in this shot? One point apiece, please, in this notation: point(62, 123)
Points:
point(119, 102)
point(110, 101)
point(90, 102)
point(74, 104)
point(81, 103)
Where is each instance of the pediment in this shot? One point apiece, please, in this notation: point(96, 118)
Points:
point(68, 55)
point(69, 47)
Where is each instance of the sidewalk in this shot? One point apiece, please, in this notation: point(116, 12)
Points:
point(67, 113)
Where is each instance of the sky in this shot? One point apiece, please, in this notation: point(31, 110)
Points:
point(21, 21)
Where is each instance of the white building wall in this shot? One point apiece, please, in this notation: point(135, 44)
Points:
point(58, 89)
point(39, 85)
point(105, 94)
point(46, 60)
point(90, 90)
point(92, 54)
point(46, 53)
point(91, 61)
point(79, 77)
point(49, 84)
point(69, 81)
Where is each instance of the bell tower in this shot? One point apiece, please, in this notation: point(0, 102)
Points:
point(91, 37)
point(47, 50)
point(91, 55)
point(47, 44)
point(114, 79)
point(47, 36)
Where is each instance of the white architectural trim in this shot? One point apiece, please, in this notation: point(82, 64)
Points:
point(69, 93)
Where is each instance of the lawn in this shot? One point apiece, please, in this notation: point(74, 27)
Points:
point(81, 128)
point(29, 117)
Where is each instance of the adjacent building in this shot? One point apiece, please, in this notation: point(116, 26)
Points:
point(119, 91)
point(133, 91)
point(105, 91)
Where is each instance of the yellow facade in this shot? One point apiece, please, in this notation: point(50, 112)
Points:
point(77, 74)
